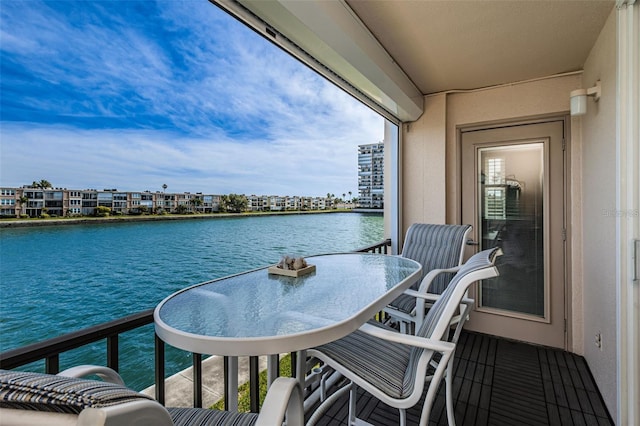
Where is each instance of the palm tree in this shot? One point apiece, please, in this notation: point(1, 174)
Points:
point(44, 184)
point(349, 195)
point(23, 203)
point(197, 202)
point(164, 187)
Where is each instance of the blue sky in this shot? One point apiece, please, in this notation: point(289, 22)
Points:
point(136, 94)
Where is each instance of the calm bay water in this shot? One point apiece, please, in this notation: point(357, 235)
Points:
point(58, 279)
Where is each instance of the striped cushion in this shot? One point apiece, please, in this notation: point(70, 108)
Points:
point(199, 416)
point(46, 392)
point(377, 361)
point(434, 247)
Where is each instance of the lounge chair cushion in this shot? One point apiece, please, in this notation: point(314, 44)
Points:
point(44, 392)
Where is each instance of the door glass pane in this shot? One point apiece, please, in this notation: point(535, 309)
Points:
point(511, 198)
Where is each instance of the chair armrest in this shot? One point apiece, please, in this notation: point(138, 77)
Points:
point(105, 373)
point(431, 275)
point(283, 398)
point(468, 301)
point(418, 295)
point(408, 339)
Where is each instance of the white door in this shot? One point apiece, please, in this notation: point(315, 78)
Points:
point(513, 193)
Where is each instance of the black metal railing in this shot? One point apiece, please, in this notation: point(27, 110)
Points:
point(49, 350)
point(381, 247)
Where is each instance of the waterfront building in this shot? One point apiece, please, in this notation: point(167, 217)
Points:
point(371, 175)
point(57, 202)
point(89, 202)
point(257, 203)
point(34, 202)
point(9, 204)
point(74, 207)
point(277, 203)
point(210, 203)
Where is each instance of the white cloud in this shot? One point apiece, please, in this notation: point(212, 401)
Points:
point(145, 159)
point(186, 97)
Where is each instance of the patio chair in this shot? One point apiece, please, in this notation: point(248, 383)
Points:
point(44, 399)
point(439, 249)
point(393, 366)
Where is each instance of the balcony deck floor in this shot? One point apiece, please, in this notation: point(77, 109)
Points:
point(500, 382)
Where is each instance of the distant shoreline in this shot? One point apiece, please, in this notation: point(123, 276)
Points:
point(35, 222)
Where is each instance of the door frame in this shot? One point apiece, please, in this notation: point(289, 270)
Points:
point(567, 211)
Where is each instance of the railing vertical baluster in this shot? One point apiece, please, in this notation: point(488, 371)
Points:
point(379, 248)
point(254, 384)
point(159, 344)
point(112, 352)
point(294, 358)
point(197, 380)
point(226, 382)
point(52, 364)
point(273, 368)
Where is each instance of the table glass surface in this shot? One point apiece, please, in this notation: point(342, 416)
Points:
point(257, 304)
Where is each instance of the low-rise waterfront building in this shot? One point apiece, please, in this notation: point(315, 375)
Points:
point(34, 202)
point(9, 204)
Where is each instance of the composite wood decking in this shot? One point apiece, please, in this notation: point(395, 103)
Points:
point(500, 382)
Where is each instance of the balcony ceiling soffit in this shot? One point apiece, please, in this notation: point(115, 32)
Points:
point(448, 45)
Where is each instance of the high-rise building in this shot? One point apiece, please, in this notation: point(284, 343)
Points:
point(371, 176)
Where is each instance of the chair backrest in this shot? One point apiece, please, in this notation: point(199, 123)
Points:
point(438, 319)
point(435, 247)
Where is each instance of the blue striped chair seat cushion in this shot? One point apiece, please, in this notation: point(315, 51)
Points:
point(379, 362)
point(404, 303)
point(202, 417)
point(45, 392)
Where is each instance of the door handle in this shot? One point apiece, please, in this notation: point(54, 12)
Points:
point(470, 242)
point(636, 260)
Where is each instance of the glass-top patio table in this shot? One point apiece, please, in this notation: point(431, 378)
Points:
point(257, 313)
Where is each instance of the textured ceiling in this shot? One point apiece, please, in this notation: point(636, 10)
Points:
point(447, 45)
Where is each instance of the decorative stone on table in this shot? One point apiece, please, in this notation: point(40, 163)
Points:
point(292, 267)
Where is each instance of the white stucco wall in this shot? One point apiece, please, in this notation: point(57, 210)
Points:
point(424, 165)
point(598, 129)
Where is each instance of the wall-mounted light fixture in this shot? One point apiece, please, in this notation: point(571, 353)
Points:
point(579, 98)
